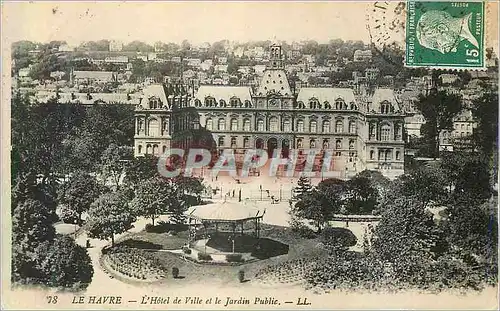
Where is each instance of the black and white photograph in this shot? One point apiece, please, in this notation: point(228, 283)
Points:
point(249, 155)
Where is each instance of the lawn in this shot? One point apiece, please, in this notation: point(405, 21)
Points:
point(191, 272)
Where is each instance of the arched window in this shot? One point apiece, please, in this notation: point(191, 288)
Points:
point(287, 126)
point(139, 149)
point(221, 126)
point(326, 144)
point(246, 125)
point(235, 102)
point(148, 149)
point(210, 102)
point(299, 143)
point(273, 124)
point(221, 141)
point(248, 104)
point(155, 149)
point(385, 132)
point(398, 155)
point(209, 125)
point(234, 124)
point(385, 107)
point(326, 126)
point(153, 103)
point(233, 142)
point(300, 126)
point(352, 127)
point(260, 125)
point(312, 143)
point(327, 105)
point(313, 104)
point(222, 103)
point(153, 127)
point(351, 144)
point(339, 126)
point(197, 103)
point(338, 144)
point(339, 104)
point(300, 105)
point(372, 154)
point(164, 149)
point(246, 142)
point(313, 126)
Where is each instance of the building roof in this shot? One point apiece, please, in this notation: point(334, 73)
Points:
point(223, 92)
point(154, 90)
point(384, 94)
point(99, 75)
point(226, 211)
point(274, 81)
point(323, 94)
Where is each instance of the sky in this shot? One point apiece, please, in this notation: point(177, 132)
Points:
point(175, 21)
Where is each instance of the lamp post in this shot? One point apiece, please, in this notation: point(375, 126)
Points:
point(76, 221)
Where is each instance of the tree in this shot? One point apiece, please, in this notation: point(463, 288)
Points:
point(439, 110)
point(155, 197)
point(139, 169)
point(426, 185)
point(189, 187)
point(377, 181)
point(80, 192)
point(408, 239)
point(313, 206)
point(112, 165)
point(31, 225)
point(63, 263)
point(109, 215)
point(362, 196)
point(303, 186)
point(485, 111)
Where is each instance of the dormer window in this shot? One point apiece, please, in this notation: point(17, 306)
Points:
point(222, 103)
point(340, 104)
point(209, 102)
point(248, 104)
point(301, 105)
point(386, 107)
point(313, 103)
point(327, 105)
point(235, 102)
point(197, 103)
point(154, 103)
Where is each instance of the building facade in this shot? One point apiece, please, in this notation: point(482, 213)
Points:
point(362, 127)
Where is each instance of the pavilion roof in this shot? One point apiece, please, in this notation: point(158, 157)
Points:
point(225, 212)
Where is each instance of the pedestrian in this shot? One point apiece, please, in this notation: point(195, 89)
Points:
point(233, 193)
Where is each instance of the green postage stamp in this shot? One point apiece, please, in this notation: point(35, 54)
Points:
point(445, 34)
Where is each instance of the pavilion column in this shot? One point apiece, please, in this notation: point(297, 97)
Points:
point(189, 232)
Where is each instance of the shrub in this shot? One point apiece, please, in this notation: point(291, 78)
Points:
point(338, 238)
point(241, 276)
point(234, 258)
point(302, 230)
point(186, 250)
point(175, 272)
point(149, 228)
point(204, 256)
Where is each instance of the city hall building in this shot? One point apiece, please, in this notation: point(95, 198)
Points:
point(362, 126)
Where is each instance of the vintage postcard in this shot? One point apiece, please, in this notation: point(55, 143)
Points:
point(249, 155)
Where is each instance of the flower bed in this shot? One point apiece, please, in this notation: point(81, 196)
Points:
point(135, 263)
point(289, 272)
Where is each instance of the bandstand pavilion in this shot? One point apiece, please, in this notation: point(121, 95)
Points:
point(224, 218)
